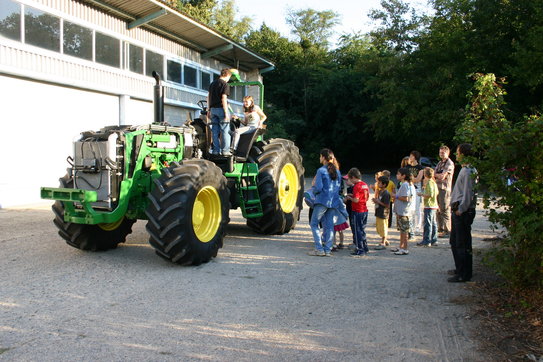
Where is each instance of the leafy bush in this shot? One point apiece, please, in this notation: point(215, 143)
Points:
point(510, 164)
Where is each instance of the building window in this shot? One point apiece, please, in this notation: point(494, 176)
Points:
point(135, 59)
point(153, 61)
point(107, 50)
point(10, 19)
point(42, 29)
point(174, 72)
point(205, 80)
point(77, 40)
point(237, 93)
point(190, 76)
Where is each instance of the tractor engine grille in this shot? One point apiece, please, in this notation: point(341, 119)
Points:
point(97, 167)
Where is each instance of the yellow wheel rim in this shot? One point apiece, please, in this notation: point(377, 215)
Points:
point(288, 188)
point(206, 214)
point(112, 225)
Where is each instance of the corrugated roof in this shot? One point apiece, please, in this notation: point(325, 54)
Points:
point(159, 17)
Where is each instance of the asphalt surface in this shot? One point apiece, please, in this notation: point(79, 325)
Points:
point(261, 299)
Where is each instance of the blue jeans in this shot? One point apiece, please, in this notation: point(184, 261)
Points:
point(430, 226)
point(325, 216)
point(359, 229)
point(220, 128)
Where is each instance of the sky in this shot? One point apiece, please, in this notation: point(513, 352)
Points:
point(353, 13)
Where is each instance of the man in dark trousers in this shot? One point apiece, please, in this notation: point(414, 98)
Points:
point(217, 102)
point(463, 202)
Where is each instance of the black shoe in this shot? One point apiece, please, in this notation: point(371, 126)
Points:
point(457, 279)
point(452, 272)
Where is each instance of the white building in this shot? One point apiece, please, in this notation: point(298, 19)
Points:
point(68, 66)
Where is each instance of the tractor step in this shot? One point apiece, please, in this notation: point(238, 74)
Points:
point(248, 188)
point(249, 198)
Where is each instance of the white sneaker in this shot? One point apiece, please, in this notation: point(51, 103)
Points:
point(402, 252)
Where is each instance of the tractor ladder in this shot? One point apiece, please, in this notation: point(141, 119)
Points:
point(249, 198)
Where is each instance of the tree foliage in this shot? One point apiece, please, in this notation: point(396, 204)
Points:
point(220, 15)
point(510, 165)
point(311, 27)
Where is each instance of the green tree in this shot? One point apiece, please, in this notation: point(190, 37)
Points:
point(201, 10)
point(312, 27)
point(220, 15)
point(224, 20)
point(400, 26)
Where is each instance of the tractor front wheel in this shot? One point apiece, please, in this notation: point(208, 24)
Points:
point(188, 212)
point(89, 237)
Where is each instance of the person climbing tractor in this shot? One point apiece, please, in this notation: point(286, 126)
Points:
point(218, 115)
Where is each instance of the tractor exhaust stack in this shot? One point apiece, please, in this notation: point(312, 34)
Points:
point(158, 99)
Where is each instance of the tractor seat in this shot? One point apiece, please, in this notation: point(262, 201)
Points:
point(245, 143)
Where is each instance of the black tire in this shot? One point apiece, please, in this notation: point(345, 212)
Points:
point(272, 156)
point(89, 237)
point(171, 206)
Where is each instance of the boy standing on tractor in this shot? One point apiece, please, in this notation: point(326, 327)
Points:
point(217, 102)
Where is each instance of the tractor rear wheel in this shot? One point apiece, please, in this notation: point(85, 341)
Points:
point(280, 185)
point(89, 237)
point(188, 212)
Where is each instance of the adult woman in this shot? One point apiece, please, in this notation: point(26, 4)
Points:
point(326, 189)
point(254, 116)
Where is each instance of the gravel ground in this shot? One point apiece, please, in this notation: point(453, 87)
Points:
point(261, 299)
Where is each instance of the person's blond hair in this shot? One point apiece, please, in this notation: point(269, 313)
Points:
point(405, 162)
point(428, 172)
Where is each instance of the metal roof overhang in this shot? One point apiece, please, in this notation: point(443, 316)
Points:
point(160, 18)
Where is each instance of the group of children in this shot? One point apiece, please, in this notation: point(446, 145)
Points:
point(387, 200)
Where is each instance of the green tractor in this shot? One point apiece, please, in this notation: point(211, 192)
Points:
point(166, 175)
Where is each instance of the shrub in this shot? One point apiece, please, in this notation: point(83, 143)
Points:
point(510, 164)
